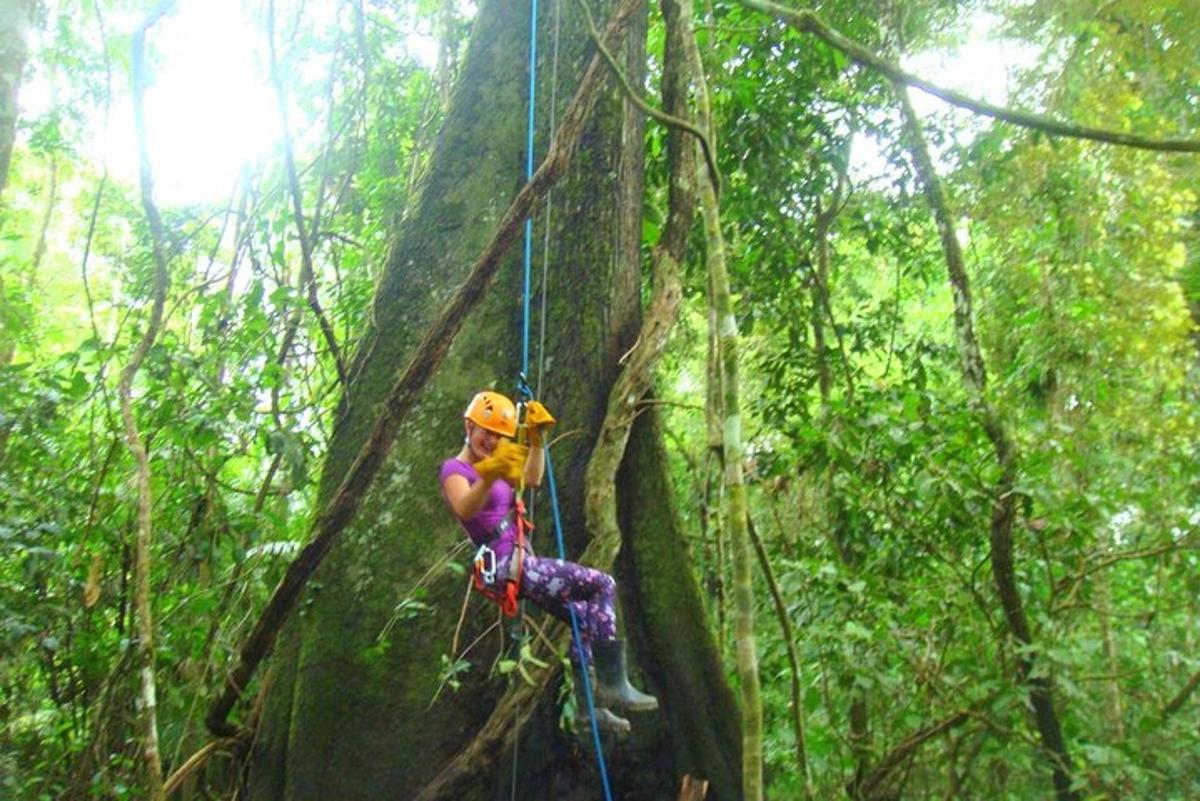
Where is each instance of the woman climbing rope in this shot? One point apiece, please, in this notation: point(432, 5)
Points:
point(477, 484)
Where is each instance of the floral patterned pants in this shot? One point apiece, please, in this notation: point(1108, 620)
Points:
point(558, 586)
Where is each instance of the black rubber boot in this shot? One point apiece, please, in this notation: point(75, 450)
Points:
point(606, 719)
point(612, 684)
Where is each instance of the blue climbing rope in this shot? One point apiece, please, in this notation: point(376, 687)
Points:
point(533, 23)
point(527, 394)
point(587, 684)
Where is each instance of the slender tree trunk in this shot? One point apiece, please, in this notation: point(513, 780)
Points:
point(711, 532)
point(39, 249)
point(735, 491)
point(15, 23)
point(743, 579)
point(305, 233)
point(789, 640)
point(858, 714)
point(820, 305)
point(1004, 507)
point(147, 702)
point(714, 393)
point(16, 19)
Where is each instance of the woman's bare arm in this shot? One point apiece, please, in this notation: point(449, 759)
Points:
point(466, 499)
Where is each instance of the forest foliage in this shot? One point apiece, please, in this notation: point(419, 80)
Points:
point(871, 475)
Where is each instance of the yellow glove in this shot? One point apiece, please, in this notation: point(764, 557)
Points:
point(506, 462)
point(537, 421)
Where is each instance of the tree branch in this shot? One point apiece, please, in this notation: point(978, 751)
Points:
point(670, 120)
point(1068, 587)
point(1181, 697)
point(196, 761)
point(906, 749)
point(807, 22)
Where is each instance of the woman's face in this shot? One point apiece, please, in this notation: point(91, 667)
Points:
point(480, 441)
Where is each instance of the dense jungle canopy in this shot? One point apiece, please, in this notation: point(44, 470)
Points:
point(872, 330)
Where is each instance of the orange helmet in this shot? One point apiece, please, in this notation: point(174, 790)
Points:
point(493, 411)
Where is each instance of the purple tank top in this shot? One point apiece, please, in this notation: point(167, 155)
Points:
point(496, 509)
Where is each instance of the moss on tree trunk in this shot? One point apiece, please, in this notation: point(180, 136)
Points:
point(668, 622)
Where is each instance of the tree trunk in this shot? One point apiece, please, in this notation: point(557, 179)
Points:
point(147, 701)
point(1004, 510)
point(789, 641)
point(723, 371)
point(667, 621)
point(735, 492)
point(858, 713)
point(16, 17)
point(351, 713)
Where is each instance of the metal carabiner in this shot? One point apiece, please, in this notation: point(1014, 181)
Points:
point(485, 563)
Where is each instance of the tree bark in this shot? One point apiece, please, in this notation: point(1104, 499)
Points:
point(789, 641)
point(15, 22)
point(147, 703)
point(665, 611)
point(1004, 506)
point(727, 350)
point(16, 19)
point(662, 311)
point(349, 715)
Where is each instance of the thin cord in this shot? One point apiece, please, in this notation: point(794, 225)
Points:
point(516, 748)
point(549, 205)
point(541, 370)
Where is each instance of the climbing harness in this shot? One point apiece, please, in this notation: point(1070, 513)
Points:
point(505, 596)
